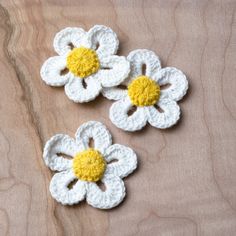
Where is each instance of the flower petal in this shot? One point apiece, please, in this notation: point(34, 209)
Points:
point(119, 117)
point(75, 90)
point(60, 191)
point(126, 160)
point(141, 57)
point(51, 71)
point(60, 144)
point(111, 197)
point(114, 93)
point(67, 36)
point(105, 38)
point(176, 79)
point(114, 70)
point(164, 119)
point(97, 131)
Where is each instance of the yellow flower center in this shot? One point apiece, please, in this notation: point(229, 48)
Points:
point(143, 91)
point(89, 165)
point(82, 62)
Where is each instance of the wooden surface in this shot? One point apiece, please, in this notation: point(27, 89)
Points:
point(186, 181)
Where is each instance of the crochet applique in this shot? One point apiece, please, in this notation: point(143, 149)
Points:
point(86, 63)
point(88, 166)
point(154, 104)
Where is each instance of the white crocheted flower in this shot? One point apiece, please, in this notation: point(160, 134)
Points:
point(87, 166)
point(155, 104)
point(86, 63)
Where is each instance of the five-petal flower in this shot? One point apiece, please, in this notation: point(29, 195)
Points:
point(87, 166)
point(154, 104)
point(86, 63)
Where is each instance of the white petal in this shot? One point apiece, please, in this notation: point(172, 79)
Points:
point(105, 38)
point(68, 36)
point(60, 191)
point(166, 119)
point(60, 144)
point(97, 131)
point(176, 79)
point(141, 57)
point(75, 90)
point(119, 117)
point(111, 197)
point(51, 71)
point(114, 93)
point(126, 160)
point(114, 70)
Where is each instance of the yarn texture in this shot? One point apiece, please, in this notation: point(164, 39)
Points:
point(87, 166)
point(155, 105)
point(85, 58)
point(143, 91)
point(82, 62)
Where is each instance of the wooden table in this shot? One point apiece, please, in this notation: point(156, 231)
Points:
point(186, 181)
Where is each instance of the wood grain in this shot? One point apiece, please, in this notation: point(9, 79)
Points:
point(186, 181)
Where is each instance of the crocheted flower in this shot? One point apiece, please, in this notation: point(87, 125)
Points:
point(87, 166)
point(154, 104)
point(86, 63)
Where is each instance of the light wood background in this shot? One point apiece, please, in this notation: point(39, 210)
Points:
point(186, 181)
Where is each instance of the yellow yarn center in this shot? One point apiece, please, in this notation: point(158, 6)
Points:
point(143, 91)
point(82, 62)
point(89, 165)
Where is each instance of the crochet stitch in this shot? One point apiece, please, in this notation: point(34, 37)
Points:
point(91, 60)
point(82, 62)
point(145, 92)
point(87, 166)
